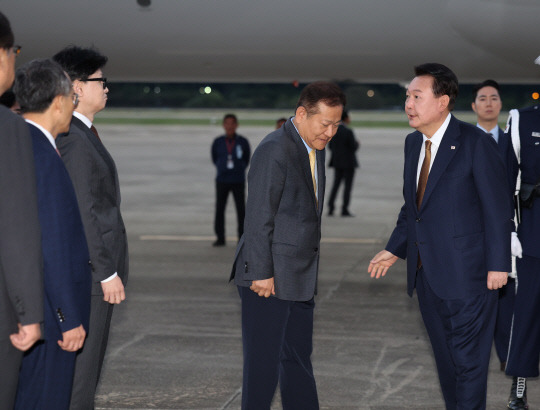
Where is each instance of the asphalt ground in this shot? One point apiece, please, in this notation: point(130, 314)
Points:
point(175, 342)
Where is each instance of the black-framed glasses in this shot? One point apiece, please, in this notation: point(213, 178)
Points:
point(75, 99)
point(102, 79)
point(16, 50)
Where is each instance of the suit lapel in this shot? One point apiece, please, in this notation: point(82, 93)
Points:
point(412, 167)
point(303, 159)
point(321, 178)
point(445, 153)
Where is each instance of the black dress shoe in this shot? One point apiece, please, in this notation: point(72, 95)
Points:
point(518, 394)
point(331, 212)
point(503, 366)
point(347, 214)
point(219, 243)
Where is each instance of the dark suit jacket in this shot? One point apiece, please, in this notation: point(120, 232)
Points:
point(21, 280)
point(65, 253)
point(95, 179)
point(462, 229)
point(343, 147)
point(282, 228)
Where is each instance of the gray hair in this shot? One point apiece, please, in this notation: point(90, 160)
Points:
point(38, 82)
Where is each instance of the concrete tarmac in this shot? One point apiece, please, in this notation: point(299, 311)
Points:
point(175, 342)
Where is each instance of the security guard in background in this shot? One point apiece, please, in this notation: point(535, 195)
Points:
point(524, 350)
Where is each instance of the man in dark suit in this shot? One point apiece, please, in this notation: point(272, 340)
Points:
point(277, 259)
point(487, 104)
point(47, 101)
point(343, 147)
point(21, 280)
point(454, 230)
point(95, 178)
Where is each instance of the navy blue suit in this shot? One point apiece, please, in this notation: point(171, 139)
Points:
point(461, 231)
point(47, 371)
point(524, 349)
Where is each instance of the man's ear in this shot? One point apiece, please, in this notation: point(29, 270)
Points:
point(473, 106)
point(301, 114)
point(58, 103)
point(443, 102)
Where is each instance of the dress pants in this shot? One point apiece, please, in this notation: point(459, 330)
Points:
point(89, 359)
point(46, 374)
point(9, 374)
point(222, 193)
point(277, 340)
point(524, 347)
point(346, 174)
point(503, 324)
point(461, 334)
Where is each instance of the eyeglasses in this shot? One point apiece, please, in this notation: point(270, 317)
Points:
point(75, 99)
point(16, 50)
point(102, 79)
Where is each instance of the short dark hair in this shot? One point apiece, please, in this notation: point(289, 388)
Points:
point(6, 35)
point(80, 63)
point(232, 116)
point(445, 81)
point(38, 82)
point(320, 91)
point(487, 83)
point(344, 115)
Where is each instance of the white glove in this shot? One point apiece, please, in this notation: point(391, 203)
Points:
point(515, 246)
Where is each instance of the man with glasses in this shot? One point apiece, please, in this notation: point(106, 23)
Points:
point(94, 175)
point(47, 101)
point(21, 281)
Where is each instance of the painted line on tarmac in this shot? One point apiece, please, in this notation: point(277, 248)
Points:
point(208, 238)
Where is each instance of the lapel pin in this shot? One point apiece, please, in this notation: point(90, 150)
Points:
point(453, 147)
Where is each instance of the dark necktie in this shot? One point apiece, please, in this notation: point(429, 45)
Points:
point(95, 132)
point(424, 173)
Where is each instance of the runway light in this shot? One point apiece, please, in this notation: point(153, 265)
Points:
point(146, 90)
point(370, 93)
point(157, 90)
point(207, 90)
point(535, 96)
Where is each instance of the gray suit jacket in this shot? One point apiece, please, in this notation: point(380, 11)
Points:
point(282, 228)
point(21, 277)
point(95, 179)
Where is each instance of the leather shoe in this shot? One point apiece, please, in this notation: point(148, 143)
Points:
point(218, 243)
point(347, 213)
point(518, 394)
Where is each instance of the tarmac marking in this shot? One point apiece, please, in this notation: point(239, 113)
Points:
point(208, 238)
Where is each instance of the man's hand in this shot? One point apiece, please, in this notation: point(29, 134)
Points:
point(263, 287)
point(380, 263)
point(515, 246)
point(73, 339)
point(496, 280)
point(113, 291)
point(26, 337)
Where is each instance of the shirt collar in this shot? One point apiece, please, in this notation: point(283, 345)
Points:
point(494, 131)
point(44, 131)
point(309, 149)
point(437, 137)
point(83, 118)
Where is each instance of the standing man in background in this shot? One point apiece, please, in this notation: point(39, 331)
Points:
point(343, 147)
point(487, 105)
point(21, 280)
point(230, 155)
point(94, 175)
point(277, 259)
point(47, 100)
point(454, 230)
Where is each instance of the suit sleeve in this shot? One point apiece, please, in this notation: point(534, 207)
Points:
point(491, 182)
point(20, 234)
point(79, 163)
point(266, 181)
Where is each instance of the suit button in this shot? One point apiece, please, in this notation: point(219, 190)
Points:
point(123, 231)
point(418, 219)
point(416, 244)
point(315, 249)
